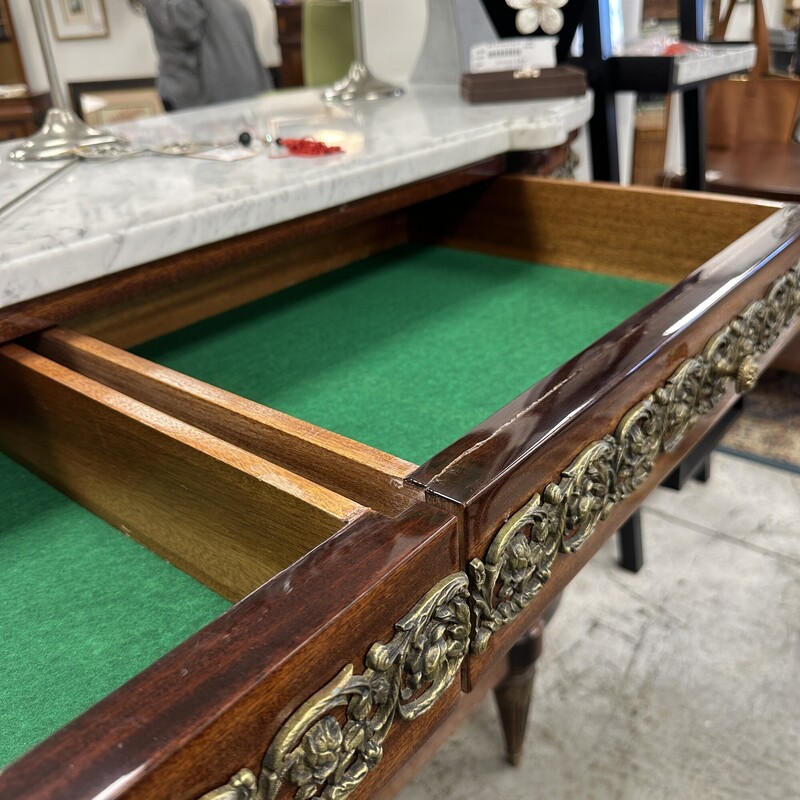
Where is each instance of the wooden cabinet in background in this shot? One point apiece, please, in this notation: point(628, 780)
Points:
point(22, 116)
point(19, 116)
point(290, 38)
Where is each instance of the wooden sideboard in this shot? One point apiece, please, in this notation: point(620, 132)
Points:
point(403, 585)
point(365, 647)
point(290, 21)
point(21, 116)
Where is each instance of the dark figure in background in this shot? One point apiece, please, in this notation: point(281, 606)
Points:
point(206, 51)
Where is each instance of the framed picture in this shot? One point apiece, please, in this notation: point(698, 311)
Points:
point(78, 19)
point(107, 102)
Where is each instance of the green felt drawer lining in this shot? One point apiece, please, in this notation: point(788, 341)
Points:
point(405, 351)
point(408, 350)
point(83, 608)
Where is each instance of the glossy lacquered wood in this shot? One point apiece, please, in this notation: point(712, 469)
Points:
point(567, 566)
point(710, 295)
point(789, 357)
point(213, 705)
point(226, 516)
point(21, 116)
point(770, 170)
point(496, 468)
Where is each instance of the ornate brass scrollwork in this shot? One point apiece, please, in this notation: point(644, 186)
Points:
point(321, 755)
point(566, 513)
point(516, 567)
point(333, 741)
point(242, 786)
point(690, 392)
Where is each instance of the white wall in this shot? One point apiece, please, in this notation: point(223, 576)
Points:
point(394, 33)
point(625, 102)
point(394, 30)
point(741, 26)
point(126, 53)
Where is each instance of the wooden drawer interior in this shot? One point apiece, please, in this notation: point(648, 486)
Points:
point(230, 518)
point(369, 477)
point(406, 351)
point(414, 344)
point(632, 231)
point(462, 304)
point(137, 446)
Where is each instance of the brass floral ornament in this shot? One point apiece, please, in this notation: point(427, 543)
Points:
point(565, 514)
point(516, 567)
point(333, 741)
point(533, 14)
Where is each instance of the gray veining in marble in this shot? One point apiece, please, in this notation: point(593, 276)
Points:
point(103, 218)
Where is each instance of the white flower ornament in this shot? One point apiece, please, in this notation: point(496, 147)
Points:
point(532, 14)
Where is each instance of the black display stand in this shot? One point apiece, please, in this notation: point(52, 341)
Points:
point(609, 74)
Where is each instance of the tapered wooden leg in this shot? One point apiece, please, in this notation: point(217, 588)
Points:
point(629, 537)
point(513, 693)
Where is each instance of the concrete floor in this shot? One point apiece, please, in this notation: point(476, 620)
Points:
point(679, 682)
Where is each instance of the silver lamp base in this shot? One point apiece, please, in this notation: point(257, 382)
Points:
point(360, 84)
point(58, 137)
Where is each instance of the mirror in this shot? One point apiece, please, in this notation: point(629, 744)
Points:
point(11, 70)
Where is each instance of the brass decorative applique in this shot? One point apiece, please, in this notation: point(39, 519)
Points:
point(566, 513)
point(242, 786)
point(328, 756)
point(333, 741)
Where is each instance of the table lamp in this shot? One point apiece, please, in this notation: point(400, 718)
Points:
point(62, 130)
point(359, 83)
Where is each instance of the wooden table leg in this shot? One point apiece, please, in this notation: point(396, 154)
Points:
point(629, 538)
point(513, 693)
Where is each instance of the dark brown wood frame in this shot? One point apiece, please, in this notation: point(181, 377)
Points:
point(5, 27)
point(11, 36)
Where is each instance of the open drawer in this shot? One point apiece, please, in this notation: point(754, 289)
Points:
point(380, 569)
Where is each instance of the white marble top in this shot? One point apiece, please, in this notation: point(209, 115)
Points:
point(98, 219)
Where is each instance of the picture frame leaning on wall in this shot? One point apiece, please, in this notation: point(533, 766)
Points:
point(109, 102)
